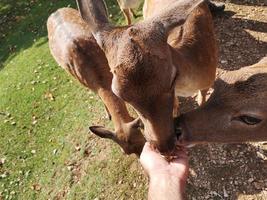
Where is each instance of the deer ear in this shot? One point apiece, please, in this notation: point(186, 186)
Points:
point(102, 132)
point(173, 15)
point(137, 123)
point(94, 12)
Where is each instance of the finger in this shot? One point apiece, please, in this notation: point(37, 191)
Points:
point(181, 159)
point(148, 152)
point(150, 158)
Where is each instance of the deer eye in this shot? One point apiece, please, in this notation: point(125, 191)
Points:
point(249, 120)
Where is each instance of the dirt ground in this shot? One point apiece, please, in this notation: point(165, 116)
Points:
point(236, 171)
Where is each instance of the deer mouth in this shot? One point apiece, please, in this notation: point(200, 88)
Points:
point(178, 129)
point(182, 133)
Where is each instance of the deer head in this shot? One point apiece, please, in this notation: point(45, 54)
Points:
point(235, 112)
point(140, 60)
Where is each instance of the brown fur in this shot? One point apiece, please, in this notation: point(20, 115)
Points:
point(127, 7)
point(239, 99)
point(172, 53)
point(75, 49)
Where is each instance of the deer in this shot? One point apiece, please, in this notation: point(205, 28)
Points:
point(235, 112)
point(127, 7)
point(75, 50)
point(150, 7)
point(172, 52)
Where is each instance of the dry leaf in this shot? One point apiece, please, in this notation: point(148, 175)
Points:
point(36, 187)
point(55, 151)
point(34, 120)
point(2, 161)
point(77, 147)
point(13, 123)
point(49, 96)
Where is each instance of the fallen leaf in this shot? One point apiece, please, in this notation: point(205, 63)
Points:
point(55, 151)
point(4, 175)
point(77, 147)
point(33, 151)
point(33, 82)
point(49, 96)
point(13, 123)
point(36, 187)
point(34, 120)
point(2, 161)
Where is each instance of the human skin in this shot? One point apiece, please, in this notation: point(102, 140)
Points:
point(167, 180)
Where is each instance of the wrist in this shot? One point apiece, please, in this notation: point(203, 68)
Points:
point(165, 187)
point(164, 179)
point(174, 176)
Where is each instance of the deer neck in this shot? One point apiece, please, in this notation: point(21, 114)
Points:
point(116, 108)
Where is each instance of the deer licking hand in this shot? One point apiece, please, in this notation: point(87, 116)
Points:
point(171, 53)
point(235, 112)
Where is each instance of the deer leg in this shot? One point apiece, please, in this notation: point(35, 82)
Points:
point(132, 13)
point(201, 98)
point(108, 115)
point(127, 132)
point(176, 111)
point(126, 13)
point(215, 7)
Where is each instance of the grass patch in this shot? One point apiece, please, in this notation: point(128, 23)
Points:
point(46, 151)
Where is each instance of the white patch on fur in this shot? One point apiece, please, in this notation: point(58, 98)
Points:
point(114, 86)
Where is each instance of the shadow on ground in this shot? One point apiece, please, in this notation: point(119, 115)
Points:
point(248, 2)
point(23, 23)
point(29, 17)
point(238, 46)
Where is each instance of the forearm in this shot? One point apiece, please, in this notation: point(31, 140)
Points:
point(165, 188)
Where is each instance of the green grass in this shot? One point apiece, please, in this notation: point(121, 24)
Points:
point(45, 143)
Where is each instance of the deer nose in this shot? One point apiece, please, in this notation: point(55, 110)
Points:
point(177, 127)
point(183, 136)
point(165, 147)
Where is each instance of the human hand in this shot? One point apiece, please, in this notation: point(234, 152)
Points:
point(159, 169)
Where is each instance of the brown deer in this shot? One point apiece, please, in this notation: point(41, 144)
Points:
point(150, 7)
point(127, 7)
point(75, 49)
point(235, 112)
point(171, 53)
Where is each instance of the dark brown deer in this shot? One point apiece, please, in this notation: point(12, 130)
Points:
point(235, 112)
point(171, 53)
